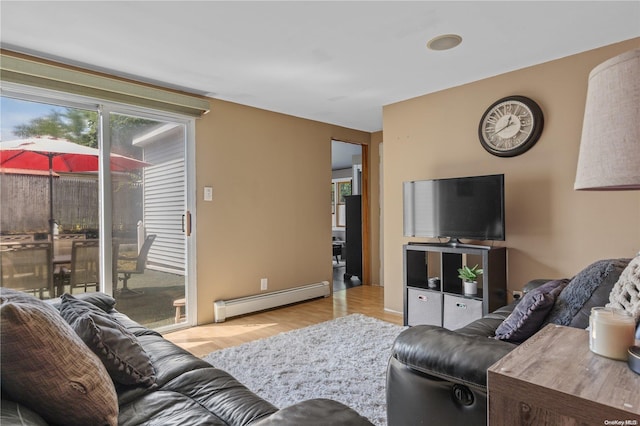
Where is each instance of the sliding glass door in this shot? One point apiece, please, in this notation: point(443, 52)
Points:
point(113, 217)
point(148, 206)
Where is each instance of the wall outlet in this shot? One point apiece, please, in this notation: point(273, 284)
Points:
point(517, 294)
point(264, 283)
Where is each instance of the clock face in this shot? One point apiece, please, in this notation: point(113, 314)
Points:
point(510, 126)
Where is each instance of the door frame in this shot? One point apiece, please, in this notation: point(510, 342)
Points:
point(366, 224)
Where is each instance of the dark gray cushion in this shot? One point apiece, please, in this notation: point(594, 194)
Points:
point(529, 314)
point(118, 349)
point(101, 300)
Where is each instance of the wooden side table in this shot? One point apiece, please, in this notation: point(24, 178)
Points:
point(554, 379)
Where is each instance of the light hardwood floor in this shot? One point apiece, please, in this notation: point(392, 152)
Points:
point(201, 340)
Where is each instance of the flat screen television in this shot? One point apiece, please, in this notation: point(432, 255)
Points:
point(455, 208)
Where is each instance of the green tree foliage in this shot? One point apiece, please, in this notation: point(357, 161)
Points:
point(81, 126)
point(76, 125)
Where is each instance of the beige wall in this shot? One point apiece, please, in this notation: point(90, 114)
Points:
point(271, 211)
point(552, 230)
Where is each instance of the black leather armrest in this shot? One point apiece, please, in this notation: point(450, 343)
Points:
point(457, 357)
point(314, 412)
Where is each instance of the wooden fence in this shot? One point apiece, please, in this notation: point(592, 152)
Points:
point(24, 207)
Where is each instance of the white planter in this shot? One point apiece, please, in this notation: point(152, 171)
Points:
point(470, 287)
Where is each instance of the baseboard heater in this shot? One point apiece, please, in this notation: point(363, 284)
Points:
point(223, 309)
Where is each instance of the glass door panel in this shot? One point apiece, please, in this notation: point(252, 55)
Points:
point(148, 185)
point(49, 198)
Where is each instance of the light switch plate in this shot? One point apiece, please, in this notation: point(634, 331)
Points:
point(208, 193)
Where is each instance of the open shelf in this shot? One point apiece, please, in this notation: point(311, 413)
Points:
point(424, 261)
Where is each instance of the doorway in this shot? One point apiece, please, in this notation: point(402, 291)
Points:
point(347, 187)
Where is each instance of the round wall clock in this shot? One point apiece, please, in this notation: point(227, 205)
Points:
point(511, 126)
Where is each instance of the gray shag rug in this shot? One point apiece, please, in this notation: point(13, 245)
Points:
point(344, 359)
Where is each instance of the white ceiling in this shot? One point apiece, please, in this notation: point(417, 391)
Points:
point(332, 61)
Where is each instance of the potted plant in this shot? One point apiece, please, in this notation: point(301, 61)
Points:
point(469, 278)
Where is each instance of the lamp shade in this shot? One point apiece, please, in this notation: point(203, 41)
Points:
point(609, 157)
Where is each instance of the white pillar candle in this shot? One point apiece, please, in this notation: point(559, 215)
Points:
point(612, 332)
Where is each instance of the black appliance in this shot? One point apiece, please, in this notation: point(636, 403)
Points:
point(353, 236)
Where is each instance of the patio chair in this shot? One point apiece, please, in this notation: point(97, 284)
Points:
point(85, 265)
point(27, 267)
point(140, 262)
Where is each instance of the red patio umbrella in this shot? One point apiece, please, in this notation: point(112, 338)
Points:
point(58, 155)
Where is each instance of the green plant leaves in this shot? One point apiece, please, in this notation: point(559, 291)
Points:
point(469, 274)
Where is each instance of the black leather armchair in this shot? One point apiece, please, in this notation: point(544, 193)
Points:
point(438, 376)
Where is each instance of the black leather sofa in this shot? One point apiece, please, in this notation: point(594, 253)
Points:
point(439, 376)
point(187, 391)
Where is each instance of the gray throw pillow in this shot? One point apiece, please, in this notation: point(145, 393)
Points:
point(529, 314)
point(118, 349)
point(581, 289)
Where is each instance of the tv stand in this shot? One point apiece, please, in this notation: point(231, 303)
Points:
point(446, 305)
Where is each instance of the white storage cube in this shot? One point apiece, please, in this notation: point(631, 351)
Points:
point(460, 311)
point(424, 307)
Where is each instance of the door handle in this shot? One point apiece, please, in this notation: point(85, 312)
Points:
point(186, 223)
